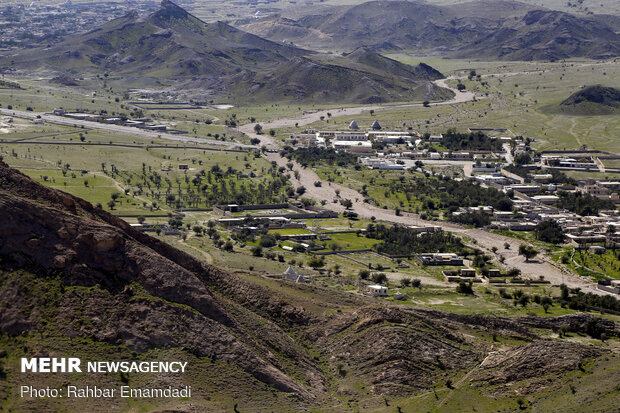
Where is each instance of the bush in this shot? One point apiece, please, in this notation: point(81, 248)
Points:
point(379, 278)
point(267, 241)
point(465, 288)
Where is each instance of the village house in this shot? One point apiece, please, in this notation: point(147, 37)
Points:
point(376, 290)
point(440, 259)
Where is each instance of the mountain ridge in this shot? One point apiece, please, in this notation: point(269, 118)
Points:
point(467, 30)
point(173, 48)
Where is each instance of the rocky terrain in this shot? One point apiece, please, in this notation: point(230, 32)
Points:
point(592, 100)
point(70, 271)
point(481, 29)
point(173, 50)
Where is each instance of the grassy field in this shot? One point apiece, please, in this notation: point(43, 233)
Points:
point(515, 95)
point(95, 188)
point(126, 162)
point(607, 263)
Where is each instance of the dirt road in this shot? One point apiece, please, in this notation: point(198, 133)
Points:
point(542, 267)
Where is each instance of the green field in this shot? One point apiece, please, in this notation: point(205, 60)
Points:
point(518, 99)
point(607, 263)
point(350, 242)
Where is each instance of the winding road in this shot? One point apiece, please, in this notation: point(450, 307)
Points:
point(533, 269)
point(327, 191)
point(308, 118)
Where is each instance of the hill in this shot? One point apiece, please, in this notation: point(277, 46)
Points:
point(173, 50)
point(592, 100)
point(357, 77)
point(547, 35)
point(482, 29)
point(76, 281)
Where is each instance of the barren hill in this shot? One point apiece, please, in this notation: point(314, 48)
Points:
point(175, 50)
point(481, 29)
point(592, 100)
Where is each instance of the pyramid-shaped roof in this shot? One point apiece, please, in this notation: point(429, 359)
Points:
point(353, 125)
point(375, 125)
point(290, 271)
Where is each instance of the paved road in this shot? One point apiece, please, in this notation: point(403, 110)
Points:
point(327, 191)
point(60, 120)
point(308, 118)
point(542, 267)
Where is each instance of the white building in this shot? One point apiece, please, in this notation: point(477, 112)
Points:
point(376, 290)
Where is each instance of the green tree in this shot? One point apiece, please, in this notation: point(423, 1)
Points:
point(527, 251)
point(379, 278)
point(546, 302)
point(465, 288)
point(316, 262)
point(549, 231)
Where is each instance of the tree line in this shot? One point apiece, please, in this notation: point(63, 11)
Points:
point(401, 240)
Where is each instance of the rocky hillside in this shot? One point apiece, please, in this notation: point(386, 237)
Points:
point(173, 50)
point(481, 29)
point(75, 280)
point(358, 77)
point(546, 35)
point(592, 100)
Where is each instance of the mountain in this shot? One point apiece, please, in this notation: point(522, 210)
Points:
point(592, 100)
point(547, 35)
point(172, 49)
point(480, 29)
point(362, 76)
point(77, 281)
point(377, 24)
point(168, 43)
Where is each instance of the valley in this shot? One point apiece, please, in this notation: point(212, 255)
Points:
point(339, 206)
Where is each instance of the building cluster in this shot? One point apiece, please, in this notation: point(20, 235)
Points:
point(23, 25)
point(142, 123)
point(386, 149)
point(536, 201)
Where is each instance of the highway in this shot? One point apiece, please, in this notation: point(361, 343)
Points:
point(61, 120)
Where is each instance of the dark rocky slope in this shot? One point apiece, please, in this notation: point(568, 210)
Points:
point(71, 271)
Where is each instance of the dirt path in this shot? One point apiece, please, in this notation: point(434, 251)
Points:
point(208, 258)
point(534, 269)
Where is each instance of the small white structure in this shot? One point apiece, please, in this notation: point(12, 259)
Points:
point(376, 290)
